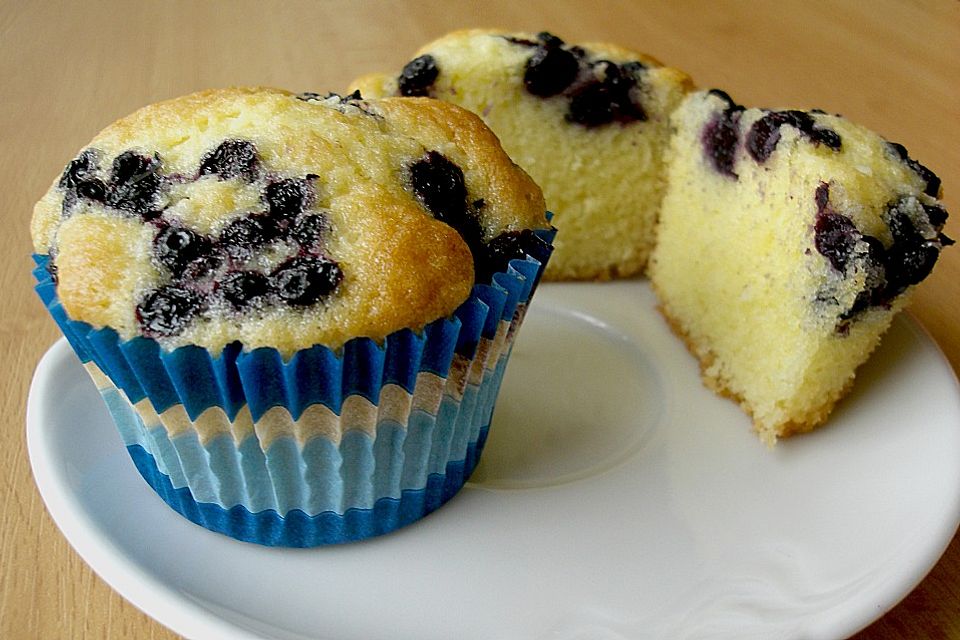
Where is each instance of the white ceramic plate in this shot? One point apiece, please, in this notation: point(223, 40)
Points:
point(617, 498)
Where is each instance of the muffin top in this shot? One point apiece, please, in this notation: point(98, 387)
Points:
point(588, 121)
point(590, 84)
point(282, 220)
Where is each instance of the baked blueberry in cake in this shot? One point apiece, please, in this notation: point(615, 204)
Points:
point(589, 123)
point(788, 240)
point(283, 220)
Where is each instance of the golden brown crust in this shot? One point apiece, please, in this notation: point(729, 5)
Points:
point(402, 268)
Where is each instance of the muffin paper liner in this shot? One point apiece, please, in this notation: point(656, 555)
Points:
point(325, 447)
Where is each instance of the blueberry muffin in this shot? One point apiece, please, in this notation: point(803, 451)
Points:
point(297, 307)
point(588, 122)
point(788, 241)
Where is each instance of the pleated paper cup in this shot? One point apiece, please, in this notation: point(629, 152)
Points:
point(321, 448)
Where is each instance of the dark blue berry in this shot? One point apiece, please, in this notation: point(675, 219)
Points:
point(901, 226)
point(232, 159)
point(135, 184)
point(243, 236)
point(92, 189)
point(547, 39)
point(835, 237)
point(936, 214)
point(418, 76)
point(289, 197)
point(305, 280)
point(131, 166)
point(244, 288)
point(606, 99)
point(828, 138)
point(720, 139)
point(440, 187)
point(168, 310)
point(591, 106)
point(78, 169)
point(908, 263)
point(549, 71)
point(764, 135)
point(864, 300)
point(510, 245)
point(177, 248)
point(723, 95)
point(307, 231)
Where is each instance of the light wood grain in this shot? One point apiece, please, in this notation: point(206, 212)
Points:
point(69, 69)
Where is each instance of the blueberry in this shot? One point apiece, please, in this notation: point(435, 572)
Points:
point(936, 214)
point(835, 237)
point(92, 189)
point(764, 135)
point(77, 169)
point(241, 237)
point(440, 187)
point(168, 310)
point(244, 288)
point(606, 99)
point(78, 181)
point(177, 248)
point(720, 139)
point(549, 71)
point(507, 246)
point(307, 231)
point(909, 263)
point(723, 95)
point(287, 198)
point(547, 39)
point(901, 226)
point(135, 184)
point(305, 280)
point(232, 159)
point(591, 106)
point(418, 76)
point(828, 138)
point(131, 166)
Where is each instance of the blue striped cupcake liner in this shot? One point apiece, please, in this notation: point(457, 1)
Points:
point(324, 447)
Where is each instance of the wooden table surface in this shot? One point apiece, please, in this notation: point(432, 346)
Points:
point(69, 69)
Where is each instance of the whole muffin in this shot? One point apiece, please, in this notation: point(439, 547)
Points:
point(298, 307)
point(588, 121)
